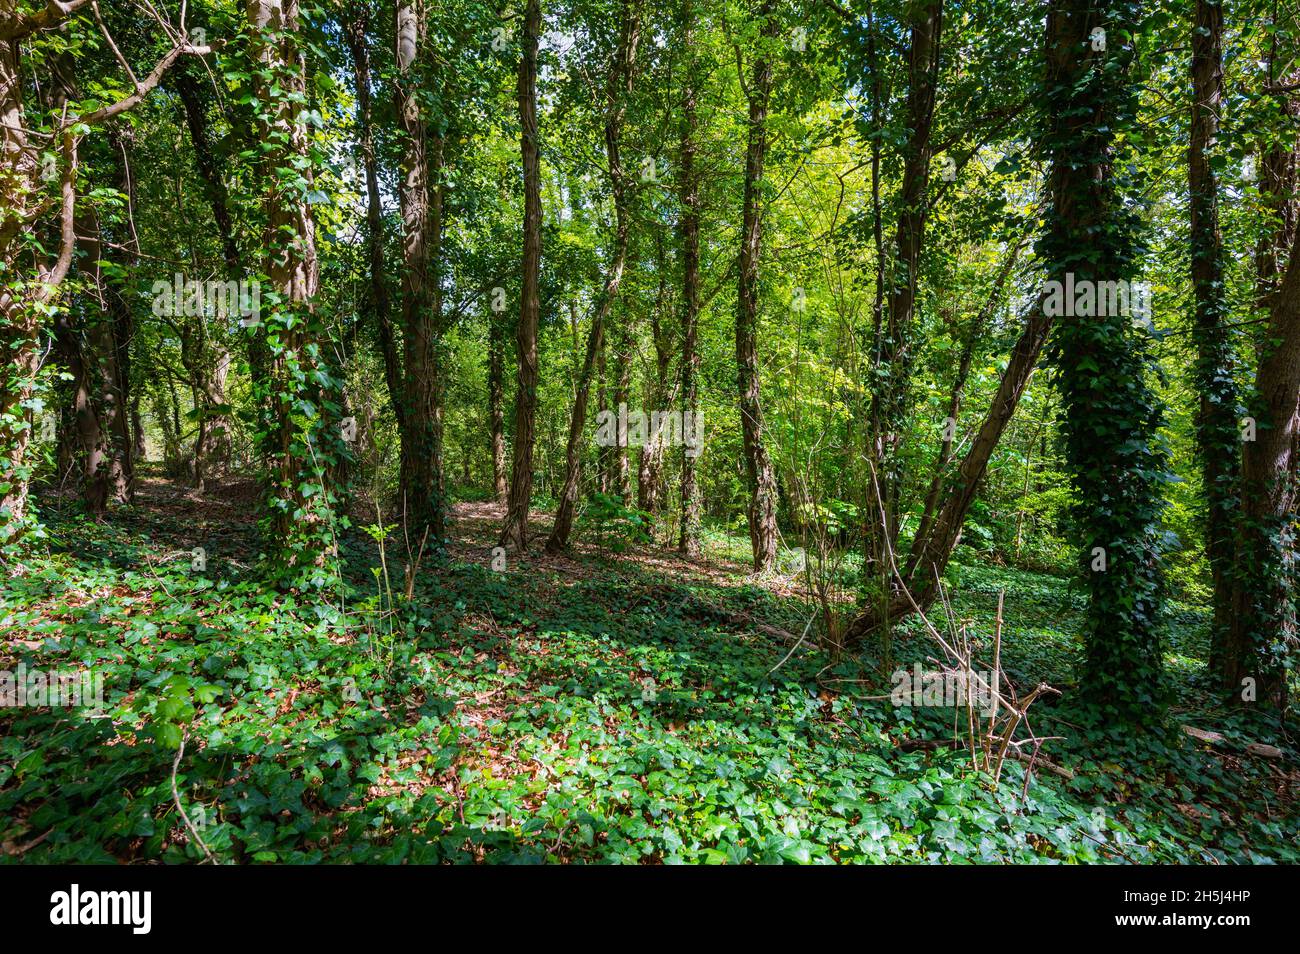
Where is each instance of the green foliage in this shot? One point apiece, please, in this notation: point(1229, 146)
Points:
point(617, 525)
point(618, 718)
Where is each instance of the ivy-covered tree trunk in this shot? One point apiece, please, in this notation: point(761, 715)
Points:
point(893, 365)
point(300, 439)
point(85, 331)
point(622, 73)
point(420, 482)
point(27, 294)
point(1217, 432)
point(120, 332)
point(1111, 417)
point(515, 531)
point(760, 473)
point(22, 302)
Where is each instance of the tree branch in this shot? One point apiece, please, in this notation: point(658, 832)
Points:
point(19, 26)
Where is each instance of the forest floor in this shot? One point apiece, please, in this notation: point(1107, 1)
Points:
point(595, 707)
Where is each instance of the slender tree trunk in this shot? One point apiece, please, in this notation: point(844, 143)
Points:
point(515, 531)
point(496, 400)
point(604, 455)
point(895, 345)
point(378, 300)
point(650, 488)
point(620, 471)
point(1277, 175)
point(166, 412)
point(622, 74)
point(121, 333)
point(209, 359)
point(1217, 431)
point(140, 449)
point(758, 464)
point(930, 554)
point(688, 541)
point(196, 120)
point(939, 478)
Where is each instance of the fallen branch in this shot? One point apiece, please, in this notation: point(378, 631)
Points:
point(1220, 741)
point(176, 797)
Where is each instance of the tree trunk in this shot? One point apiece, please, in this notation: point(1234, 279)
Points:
point(622, 73)
point(140, 449)
point(1110, 418)
point(894, 345)
point(121, 335)
point(22, 303)
point(604, 455)
point(196, 120)
point(421, 481)
point(620, 472)
point(1217, 431)
point(688, 541)
point(378, 302)
point(496, 397)
point(300, 502)
point(649, 487)
point(758, 465)
point(515, 531)
point(208, 360)
point(1263, 630)
point(105, 442)
point(930, 554)
point(1277, 177)
point(954, 403)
